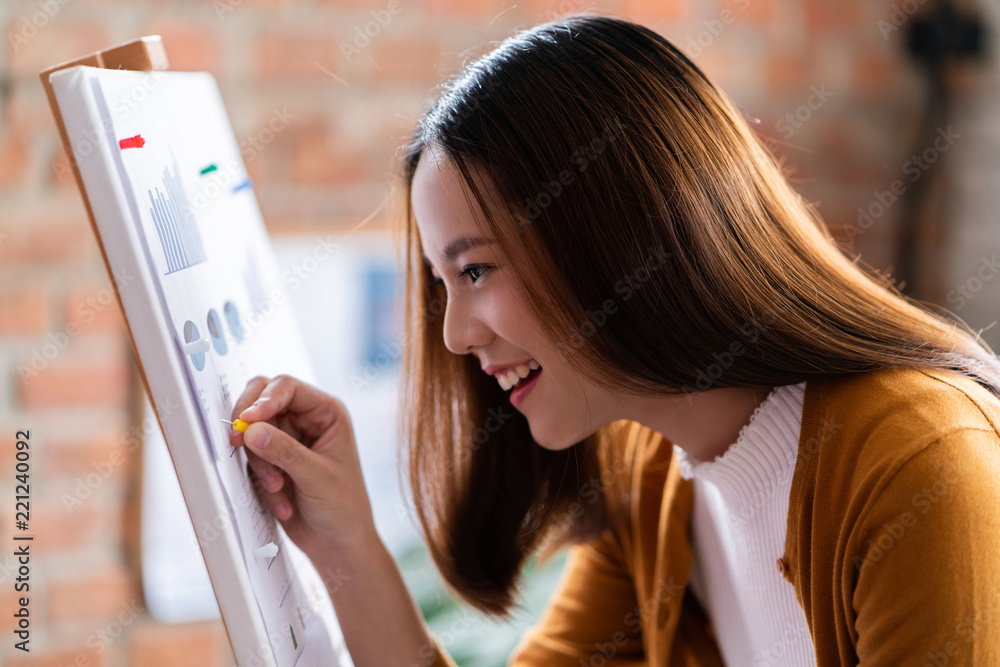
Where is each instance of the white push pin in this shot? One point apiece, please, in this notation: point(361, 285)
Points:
point(269, 550)
point(197, 346)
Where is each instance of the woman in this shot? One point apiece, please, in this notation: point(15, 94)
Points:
point(625, 332)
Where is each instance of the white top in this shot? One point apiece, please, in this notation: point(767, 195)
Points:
point(738, 528)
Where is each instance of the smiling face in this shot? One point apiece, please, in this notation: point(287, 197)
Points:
point(483, 317)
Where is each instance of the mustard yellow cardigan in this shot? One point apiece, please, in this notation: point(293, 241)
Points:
point(892, 545)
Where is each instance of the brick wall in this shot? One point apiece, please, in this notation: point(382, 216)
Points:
point(838, 97)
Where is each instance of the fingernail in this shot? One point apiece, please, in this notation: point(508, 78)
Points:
point(259, 437)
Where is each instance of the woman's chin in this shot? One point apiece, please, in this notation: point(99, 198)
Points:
point(551, 440)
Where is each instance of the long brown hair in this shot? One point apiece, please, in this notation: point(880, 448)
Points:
point(658, 244)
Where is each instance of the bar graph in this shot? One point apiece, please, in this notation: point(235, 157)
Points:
point(175, 224)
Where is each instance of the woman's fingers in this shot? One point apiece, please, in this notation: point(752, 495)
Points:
point(299, 408)
point(278, 449)
point(283, 394)
point(270, 488)
point(246, 399)
point(250, 394)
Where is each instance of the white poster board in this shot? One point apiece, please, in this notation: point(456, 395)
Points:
point(184, 240)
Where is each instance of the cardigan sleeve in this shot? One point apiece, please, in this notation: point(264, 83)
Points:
point(593, 614)
point(928, 572)
point(441, 658)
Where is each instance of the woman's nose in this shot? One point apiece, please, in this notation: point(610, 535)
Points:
point(463, 330)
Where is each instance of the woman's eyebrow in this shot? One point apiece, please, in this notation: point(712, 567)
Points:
point(460, 245)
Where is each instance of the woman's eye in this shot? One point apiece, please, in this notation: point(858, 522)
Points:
point(475, 271)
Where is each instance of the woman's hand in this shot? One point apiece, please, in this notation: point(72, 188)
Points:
point(302, 452)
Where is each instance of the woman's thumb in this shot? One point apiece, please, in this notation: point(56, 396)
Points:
point(280, 449)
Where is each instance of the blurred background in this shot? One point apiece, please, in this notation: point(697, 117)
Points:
point(885, 113)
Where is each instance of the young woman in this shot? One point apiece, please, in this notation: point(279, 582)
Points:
point(627, 334)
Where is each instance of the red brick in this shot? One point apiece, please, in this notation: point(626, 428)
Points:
point(755, 11)
point(53, 526)
point(406, 59)
point(49, 240)
point(877, 72)
point(57, 657)
point(93, 310)
point(785, 72)
point(24, 311)
point(191, 645)
point(480, 8)
point(9, 598)
point(76, 382)
point(188, 48)
point(653, 10)
point(8, 448)
point(61, 173)
point(317, 160)
point(13, 158)
point(100, 596)
point(821, 15)
point(72, 459)
point(58, 40)
point(296, 55)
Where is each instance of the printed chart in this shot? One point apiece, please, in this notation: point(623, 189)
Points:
point(206, 245)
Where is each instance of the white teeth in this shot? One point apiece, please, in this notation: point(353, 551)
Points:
point(510, 377)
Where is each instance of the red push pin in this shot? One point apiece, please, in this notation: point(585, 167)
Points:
point(132, 142)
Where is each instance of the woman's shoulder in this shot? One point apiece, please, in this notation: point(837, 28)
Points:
point(888, 435)
point(902, 409)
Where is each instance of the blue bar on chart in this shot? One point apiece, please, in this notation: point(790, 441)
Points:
point(175, 224)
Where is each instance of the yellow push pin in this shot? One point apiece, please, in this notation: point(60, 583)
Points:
point(238, 425)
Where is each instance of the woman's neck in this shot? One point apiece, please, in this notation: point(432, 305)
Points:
point(704, 424)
